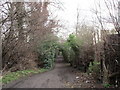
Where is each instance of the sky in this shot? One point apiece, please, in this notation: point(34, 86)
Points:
point(70, 9)
point(68, 16)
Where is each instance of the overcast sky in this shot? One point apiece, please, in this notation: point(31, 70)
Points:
point(70, 9)
point(68, 16)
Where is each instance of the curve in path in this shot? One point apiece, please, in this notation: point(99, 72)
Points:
point(62, 76)
point(55, 78)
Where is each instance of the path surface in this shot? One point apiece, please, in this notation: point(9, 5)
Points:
point(62, 76)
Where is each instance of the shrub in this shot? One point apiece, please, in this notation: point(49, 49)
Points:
point(70, 50)
point(107, 85)
point(94, 69)
point(68, 53)
point(47, 53)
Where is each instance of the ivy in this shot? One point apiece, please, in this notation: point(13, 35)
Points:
point(70, 49)
point(47, 53)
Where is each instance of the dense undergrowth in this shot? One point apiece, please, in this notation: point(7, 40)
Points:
point(69, 49)
point(47, 52)
point(46, 55)
point(81, 55)
point(94, 69)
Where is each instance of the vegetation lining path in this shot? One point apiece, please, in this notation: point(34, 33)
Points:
point(61, 76)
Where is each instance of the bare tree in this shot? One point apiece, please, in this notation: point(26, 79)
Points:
point(112, 18)
point(24, 26)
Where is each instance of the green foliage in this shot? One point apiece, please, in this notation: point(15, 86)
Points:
point(68, 53)
point(16, 75)
point(47, 53)
point(107, 85)
point(72, 41)
point(94, 69)
point(70, 49)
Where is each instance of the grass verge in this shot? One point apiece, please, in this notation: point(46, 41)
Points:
point(16, 75)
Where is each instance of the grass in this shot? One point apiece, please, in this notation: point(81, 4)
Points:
point(106, 85)
point(16, 75)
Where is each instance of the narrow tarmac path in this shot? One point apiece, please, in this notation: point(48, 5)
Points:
point(62, 76)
